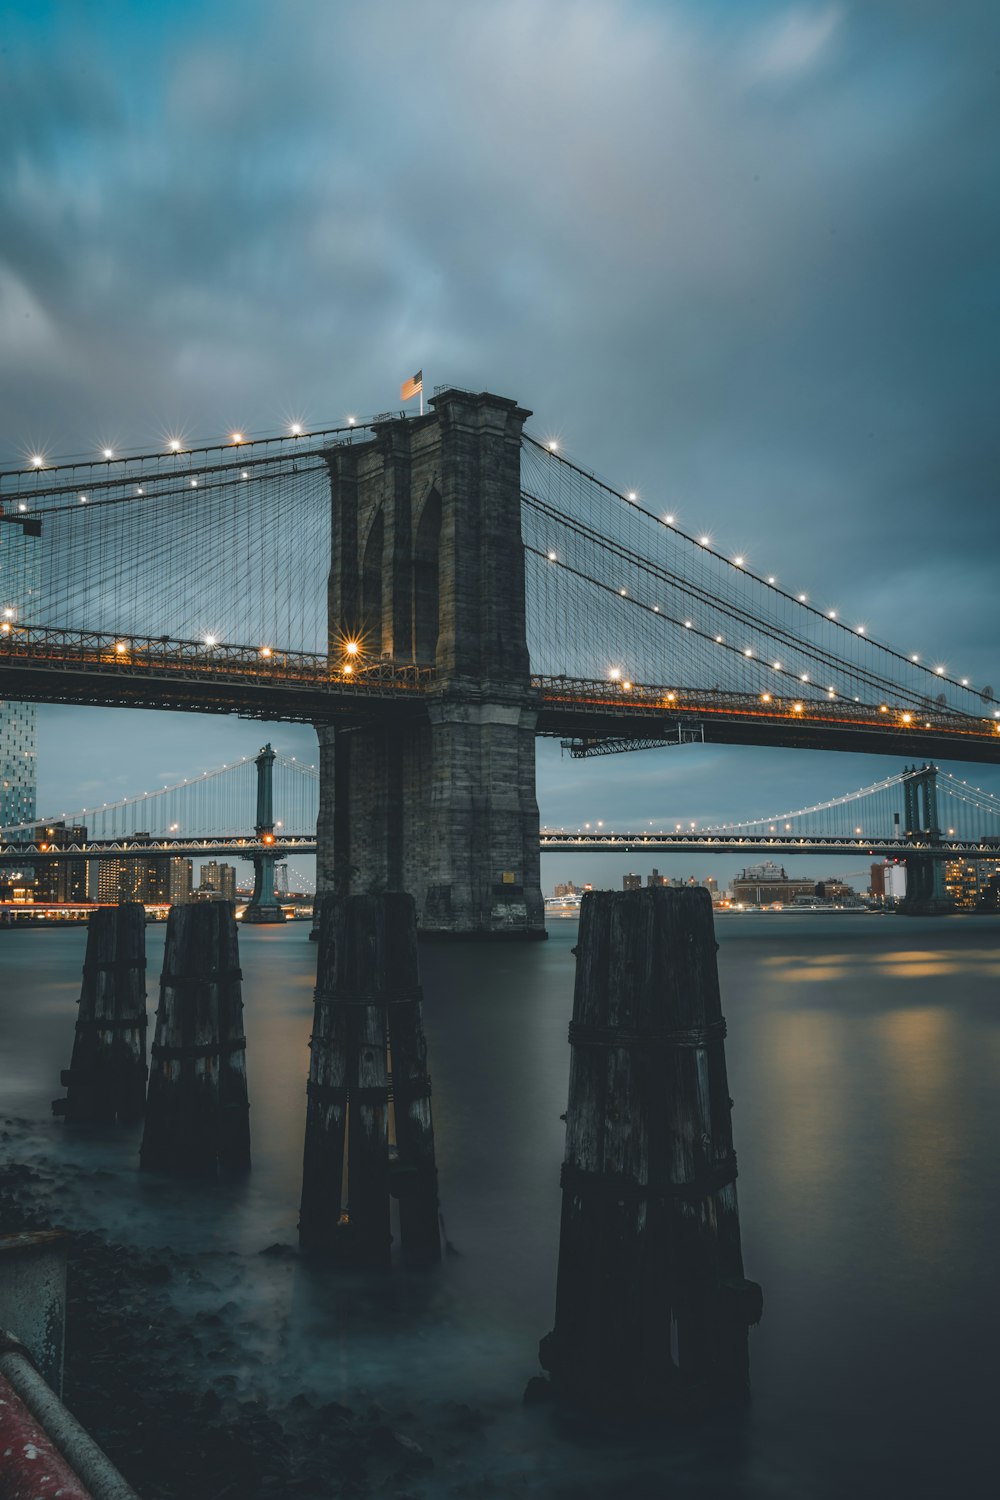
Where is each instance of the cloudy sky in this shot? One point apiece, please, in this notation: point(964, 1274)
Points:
point(739, 255)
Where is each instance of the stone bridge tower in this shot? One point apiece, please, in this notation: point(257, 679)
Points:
point(436, 797)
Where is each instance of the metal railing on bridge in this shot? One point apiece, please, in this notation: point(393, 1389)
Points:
point(34, 649)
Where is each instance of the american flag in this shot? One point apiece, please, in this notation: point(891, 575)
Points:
point(412, 386)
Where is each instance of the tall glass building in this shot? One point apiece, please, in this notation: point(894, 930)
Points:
point(19, 568)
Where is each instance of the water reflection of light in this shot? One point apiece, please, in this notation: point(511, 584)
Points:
point(819, 966)
point(920, 1136)
point(907, 964)
point(808, 1129)
point(811, 972)
point(913, 969)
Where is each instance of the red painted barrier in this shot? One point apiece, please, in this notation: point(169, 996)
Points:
point(31, 1467)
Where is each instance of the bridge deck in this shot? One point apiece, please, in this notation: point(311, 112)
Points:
point(556, 841)
point(48, 665)
point(594, 711)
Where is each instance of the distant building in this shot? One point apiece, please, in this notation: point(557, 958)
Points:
point(988, 898)
point(972, 884)
point(218, 882)
point(17, 762)
point(768, 885)
point(59, 879)
point(181, 881)
point(888, 882)
point(19, 569)
point(655, 878)
point(631, 882)
point(145, 878)
point(566, 888)
point(837, 892)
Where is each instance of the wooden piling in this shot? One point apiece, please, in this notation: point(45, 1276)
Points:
point(197, 1112)
point(106, 1078)
point(650, 1233)
point(368, 1002)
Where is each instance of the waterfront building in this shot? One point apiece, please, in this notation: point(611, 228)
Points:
point(146, 880)
point(837, 892)
point(181, 881)
point(989, 891)
point(888, 882)
point(18, 587)
point(59, 879)
point(631, 882)
point(17, 762)
point(767, 884)
point(218, 882)
point(961, 882)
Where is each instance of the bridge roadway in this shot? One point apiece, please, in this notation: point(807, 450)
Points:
point(13, 852)
point(45, 665)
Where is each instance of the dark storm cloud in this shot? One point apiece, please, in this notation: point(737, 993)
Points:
point(742, 257)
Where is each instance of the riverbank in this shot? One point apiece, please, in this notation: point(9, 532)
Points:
point(162, 1349)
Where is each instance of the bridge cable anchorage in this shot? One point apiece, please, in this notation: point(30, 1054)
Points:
point(578, 521)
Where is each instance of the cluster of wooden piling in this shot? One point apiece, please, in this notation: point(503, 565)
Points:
point(196, 1110)
point(651, 1301)
point(369, 1134)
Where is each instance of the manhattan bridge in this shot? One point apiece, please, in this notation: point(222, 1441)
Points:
point(432, 593)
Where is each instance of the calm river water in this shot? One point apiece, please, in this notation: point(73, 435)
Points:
point(864, 1059)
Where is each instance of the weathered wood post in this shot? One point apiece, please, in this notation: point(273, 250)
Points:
point(106, 1078)
point(197, 1113)
point(414, 1173)
point(650, 1229)
point(368, 1002)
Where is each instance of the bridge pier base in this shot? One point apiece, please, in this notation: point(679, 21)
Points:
point(263, 905)
point(443, 807)
point(926, 895)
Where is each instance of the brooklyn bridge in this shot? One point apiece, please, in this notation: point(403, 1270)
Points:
point(433, 593)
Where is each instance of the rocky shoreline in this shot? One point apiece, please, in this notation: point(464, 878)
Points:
point(143, 1378)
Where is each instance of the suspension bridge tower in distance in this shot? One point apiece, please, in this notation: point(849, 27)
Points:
point(435, 797)
point(263, 905)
